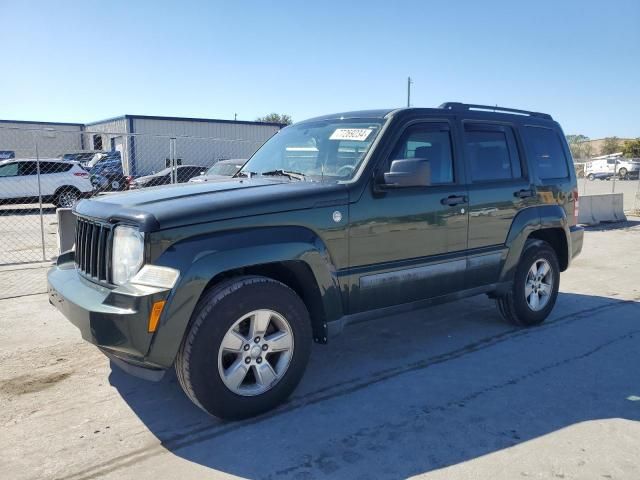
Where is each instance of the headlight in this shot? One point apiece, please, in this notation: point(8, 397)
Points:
point(128, 253)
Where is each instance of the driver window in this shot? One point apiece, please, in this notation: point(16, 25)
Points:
point(431, 142)
point(9, 170)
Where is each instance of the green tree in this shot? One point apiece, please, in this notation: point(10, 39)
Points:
point(631, 148)
point(276, 118)
point(610, 145)
point(580, 148)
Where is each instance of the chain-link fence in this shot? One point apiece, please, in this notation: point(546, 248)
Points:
point(625, 181)
point(41, 169)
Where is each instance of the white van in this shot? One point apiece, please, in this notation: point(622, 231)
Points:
point(607, 166)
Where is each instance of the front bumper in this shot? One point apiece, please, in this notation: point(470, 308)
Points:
point(115, 320)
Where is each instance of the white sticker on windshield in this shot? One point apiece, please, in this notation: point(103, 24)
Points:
point(354, 134)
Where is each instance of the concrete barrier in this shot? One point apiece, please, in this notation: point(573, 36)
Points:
point(601, 208)
point(66, 229)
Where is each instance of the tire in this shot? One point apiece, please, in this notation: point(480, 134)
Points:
point(200, 364)
point(515, 307)
point(591, 177)
point(66, 197)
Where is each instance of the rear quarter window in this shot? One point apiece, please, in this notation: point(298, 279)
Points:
point(545, 152)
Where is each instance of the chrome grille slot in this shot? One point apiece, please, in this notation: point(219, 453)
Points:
point(93, 249)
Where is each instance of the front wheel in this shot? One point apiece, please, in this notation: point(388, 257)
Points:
point(247, 347)
point(591, 177)
point(535, 286)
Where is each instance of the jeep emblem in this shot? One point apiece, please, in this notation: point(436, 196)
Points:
point(337, 216)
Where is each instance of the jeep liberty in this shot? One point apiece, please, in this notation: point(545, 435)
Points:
point(333, 220)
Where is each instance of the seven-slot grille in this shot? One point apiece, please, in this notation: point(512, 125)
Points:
point(93, 249)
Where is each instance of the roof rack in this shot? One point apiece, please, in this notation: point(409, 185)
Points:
point(457, 106)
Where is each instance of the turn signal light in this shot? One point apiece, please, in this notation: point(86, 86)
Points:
point(154, 317)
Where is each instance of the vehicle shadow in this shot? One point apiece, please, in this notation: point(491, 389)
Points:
point(605, 227)
point(412, 393)
point(9, 210)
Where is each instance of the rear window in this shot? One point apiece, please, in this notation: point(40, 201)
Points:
point(544, 150)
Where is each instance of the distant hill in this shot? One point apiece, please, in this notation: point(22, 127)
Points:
point(596, 145)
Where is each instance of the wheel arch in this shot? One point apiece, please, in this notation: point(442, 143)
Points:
point(63, 188)
point(294, 256)
point(548, 223)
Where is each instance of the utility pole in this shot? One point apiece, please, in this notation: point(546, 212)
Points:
point(235, 117)
point(409, 82)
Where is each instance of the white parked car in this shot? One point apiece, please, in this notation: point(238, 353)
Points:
point(61, 183)
point(222, 170)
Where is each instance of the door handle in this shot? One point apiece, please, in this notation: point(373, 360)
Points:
point(453, 200)
point(524, 193)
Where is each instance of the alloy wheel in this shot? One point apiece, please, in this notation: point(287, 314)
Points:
point(539, 285)
point(255, 353)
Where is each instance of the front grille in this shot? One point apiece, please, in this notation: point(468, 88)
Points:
point(93, 249)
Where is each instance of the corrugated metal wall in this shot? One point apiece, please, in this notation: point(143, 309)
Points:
point(52, 139)
point(209, 141)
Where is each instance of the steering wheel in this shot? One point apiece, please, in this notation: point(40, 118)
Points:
point(347, 169)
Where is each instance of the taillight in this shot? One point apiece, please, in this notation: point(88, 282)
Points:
point(576, 206)
point(81, 174)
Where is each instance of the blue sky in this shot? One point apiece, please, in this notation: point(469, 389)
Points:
point(88, 60)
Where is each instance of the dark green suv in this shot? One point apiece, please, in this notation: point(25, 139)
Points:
point(334, 220)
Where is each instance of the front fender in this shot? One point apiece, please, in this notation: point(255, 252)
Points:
point(201, 259)
point(526, 222)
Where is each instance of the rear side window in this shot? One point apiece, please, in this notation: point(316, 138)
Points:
point(28, 168)
point(491, 152)
point(54, 167)
point(545, 151)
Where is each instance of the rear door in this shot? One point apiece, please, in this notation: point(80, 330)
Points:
point(27, 181)
point(499, 187)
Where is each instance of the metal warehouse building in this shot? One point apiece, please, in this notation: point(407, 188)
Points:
point(52, 138)
point(147, 143)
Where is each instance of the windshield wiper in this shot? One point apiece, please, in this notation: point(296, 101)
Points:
point(284, 173)
point(242, 173)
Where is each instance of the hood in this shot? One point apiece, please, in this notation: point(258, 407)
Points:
point(144, 179)
point(210, 178)
point(170, 206)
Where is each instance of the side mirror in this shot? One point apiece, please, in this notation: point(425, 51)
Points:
point(408, 172)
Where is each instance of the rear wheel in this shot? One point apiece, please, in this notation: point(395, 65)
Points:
point(535, 286)
point(591, 177)
point(247, 347)
point(66, 197)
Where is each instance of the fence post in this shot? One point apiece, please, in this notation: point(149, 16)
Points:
point(35, 142)
point(172, 160)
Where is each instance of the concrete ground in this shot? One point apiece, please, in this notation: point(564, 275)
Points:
point(445, 393)
point(21, 234)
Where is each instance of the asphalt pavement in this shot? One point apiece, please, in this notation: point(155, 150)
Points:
point(449, 392)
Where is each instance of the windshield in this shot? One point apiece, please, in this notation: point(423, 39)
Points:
point(324, 150)
point(223, 168)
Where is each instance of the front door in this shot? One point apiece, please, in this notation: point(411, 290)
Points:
point(408, 244)
point(499, 187)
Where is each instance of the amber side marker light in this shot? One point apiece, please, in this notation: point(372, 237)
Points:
point(154, 317)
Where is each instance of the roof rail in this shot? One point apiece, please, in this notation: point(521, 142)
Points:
point(457, 106)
